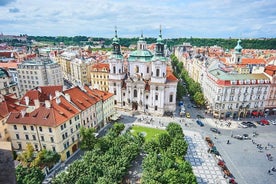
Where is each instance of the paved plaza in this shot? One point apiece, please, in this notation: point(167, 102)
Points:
point(203, 163)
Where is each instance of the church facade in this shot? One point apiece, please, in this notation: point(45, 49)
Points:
point(143, 82)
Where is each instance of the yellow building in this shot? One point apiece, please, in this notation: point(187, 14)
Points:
point(99, 76)
point(53, 126)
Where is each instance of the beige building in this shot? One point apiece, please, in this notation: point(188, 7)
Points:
point(53, 126)
point(38, 72)
point(99, 76)
point(80, 71)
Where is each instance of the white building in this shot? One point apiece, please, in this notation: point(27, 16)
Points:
point(7, 86)
point(235, 95)
point(38, 72)
point(147, 83)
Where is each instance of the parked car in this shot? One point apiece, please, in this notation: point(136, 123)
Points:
point(200, 116)
point(243, 125)
point(250, 124)
point(215, 130)
point(199, 123)
point(188, 115)
point(265, 122)
point(273, 122)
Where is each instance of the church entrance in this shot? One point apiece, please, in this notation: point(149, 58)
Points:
point(134, 106)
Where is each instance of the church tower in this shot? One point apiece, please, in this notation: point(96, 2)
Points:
point(237, 55)
point(159, 62)
point(117, 71)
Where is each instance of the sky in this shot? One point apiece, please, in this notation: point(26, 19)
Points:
point(178, 18)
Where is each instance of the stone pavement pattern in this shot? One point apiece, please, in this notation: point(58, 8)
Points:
point(203, 163)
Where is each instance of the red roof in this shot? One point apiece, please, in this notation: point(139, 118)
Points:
point(41, 93)
point(270, 70)
point(170, 76)
point(98, 94)
point(101, 66)
point(9, 105)
point(54, 116)
point(246, 61)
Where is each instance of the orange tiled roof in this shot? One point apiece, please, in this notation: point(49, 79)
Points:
point(101, 66)
point(246, 61)
point(270, 70)
point(40, 93)
point(81, 99)
point(54, 116)
point(9, 65)
point(98, 93)
point(170, 76)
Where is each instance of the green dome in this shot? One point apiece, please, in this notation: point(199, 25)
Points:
point(238, 48)
point(141, 55)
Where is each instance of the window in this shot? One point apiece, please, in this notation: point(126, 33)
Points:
point(157, 72)
point(72, 130)
point(156, 97)
point(14, 127)
point(171, 98)
point(135, 93)
point(115, 102)
point(27, 137)
point(50, 130)
point(155, 108)
point(17, 136)
point(147, 107)
point(36, 147)
point(114, 69)
point(53, 148)
point(19, 146)
point(124, 103)
point(156, 88)
point(147, 96)
point(24, 127)
point(34, 138)
point(32, 128)
point(42, 138)
point(44, 146)
point(40, 129)
point(147, 69)
point(115, 92)
point(52, 139)
point(137, 69)
point(70, 122)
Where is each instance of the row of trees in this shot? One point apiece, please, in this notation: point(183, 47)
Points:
point(165, 162)
point(31, 164)
point(269, 43)
point(106, 159)
point(186, 84)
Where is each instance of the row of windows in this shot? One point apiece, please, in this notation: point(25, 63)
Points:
point(27, 72)
point(34, 137)
point(100, 76)
point(32, 128)
point(35, 146)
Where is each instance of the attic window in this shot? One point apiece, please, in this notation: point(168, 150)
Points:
point(18, 115)
point(79, 101)
point(35, 115)
point(47, 116)
point(60, 112)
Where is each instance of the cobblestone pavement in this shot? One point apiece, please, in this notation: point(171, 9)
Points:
point(203, 163)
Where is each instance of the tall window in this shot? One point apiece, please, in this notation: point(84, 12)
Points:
point(135, 93)
point(171, 98)
point(157, 72)
point(114, 69)
point(147, 69)
point(156, 97)
point(136, 69)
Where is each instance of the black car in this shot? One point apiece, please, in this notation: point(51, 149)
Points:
point(200, 116)
point(215, 130)
point(250, 124)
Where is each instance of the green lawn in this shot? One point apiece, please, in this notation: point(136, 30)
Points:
point(150, 133)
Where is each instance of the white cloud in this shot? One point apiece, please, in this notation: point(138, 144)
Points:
point(213, 18)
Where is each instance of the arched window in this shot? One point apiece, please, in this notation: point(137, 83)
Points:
point(114, 69)
point(157, 72)
point(136, 69)
point(135, 93)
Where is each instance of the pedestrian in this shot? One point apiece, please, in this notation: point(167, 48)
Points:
point(268, 172)
point(273, 169)
point(228, 142)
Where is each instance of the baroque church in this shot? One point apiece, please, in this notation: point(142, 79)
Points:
point(143, 82)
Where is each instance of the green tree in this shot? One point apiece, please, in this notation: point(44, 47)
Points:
point(199, 98)
point(46, 158)
point(29, 175)
point(88, 139)
point(164, 141)
point(27, 156)
point(175, 130)
point(151, 146)
point(179, 147)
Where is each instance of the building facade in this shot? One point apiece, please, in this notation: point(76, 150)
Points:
point(99, 76)
point(7, 85)
point(38, 72)
point(147, 84)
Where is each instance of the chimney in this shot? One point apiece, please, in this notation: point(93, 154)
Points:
point(36, 103)
point(27, 100)
point(67, 97)
point(47, 104)
point(57, 93)
point(23, 112)
point(58, 100)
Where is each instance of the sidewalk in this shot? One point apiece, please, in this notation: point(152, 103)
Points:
point(203, 163)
